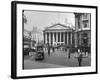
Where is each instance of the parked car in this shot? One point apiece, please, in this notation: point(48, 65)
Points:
point(39, 53)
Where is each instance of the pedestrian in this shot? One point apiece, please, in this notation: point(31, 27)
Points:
point(68, 50)
point(49, 51)
point(53, 49)
point(79, 57)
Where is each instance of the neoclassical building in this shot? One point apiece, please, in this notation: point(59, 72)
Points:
point(83, 29)
point(58, 34)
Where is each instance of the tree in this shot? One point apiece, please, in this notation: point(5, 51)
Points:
point(24, 18)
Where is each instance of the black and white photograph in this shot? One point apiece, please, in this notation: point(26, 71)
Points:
point(53, 39)
point(56, 39)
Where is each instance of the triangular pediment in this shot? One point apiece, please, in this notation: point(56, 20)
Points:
point(58, 27)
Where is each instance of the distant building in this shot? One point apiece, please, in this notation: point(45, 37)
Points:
point(58, 34)
point(83, 29)
point(26, 39)
point(36, 35)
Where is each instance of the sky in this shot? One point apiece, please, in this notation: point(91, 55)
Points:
point(42, 19)
point(39, 20)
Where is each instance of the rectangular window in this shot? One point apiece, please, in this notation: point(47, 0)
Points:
point(85, 25)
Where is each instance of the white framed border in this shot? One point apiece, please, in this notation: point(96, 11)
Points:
point(68, 70)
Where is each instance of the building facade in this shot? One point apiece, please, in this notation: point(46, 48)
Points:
point(82, 29)
point(58, 34)
point(28, 40)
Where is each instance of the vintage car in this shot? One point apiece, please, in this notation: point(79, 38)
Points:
point(39, 53)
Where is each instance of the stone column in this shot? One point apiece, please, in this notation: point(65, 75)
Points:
point(64, 37)
point(53, 37)
point(45, 38)
point(49, 38)
point(56, 36)
point(60, 36)
point(71, 37)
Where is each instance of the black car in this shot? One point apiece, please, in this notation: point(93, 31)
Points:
point(39, 53)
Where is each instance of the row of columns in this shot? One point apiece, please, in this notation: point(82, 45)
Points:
point(51, 37)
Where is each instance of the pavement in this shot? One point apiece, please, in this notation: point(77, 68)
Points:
point(56, 59)
point(38, 65)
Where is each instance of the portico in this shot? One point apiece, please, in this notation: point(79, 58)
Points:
point(58, 34)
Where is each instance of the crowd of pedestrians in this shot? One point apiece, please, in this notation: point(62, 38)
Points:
point(68, 51)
